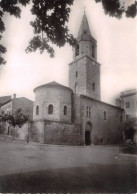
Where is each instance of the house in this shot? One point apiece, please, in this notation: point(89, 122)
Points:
point(12, 104)
point(128, 101)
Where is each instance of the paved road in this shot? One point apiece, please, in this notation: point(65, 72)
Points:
point(49, 168)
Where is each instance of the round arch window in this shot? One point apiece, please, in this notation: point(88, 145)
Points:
point(37, 110)
point(50, 109)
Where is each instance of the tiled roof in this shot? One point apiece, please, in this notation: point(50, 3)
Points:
point(54, 84)
point(4, 99)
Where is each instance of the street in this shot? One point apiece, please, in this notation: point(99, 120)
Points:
point(50, 168)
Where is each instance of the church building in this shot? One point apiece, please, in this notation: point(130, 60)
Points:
point(75, 115)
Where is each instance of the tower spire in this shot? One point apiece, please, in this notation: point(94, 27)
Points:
point(84, 9)
point(84, 31)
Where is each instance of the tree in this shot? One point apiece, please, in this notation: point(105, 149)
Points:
point(116, 8)
point(16, 119)
point(50, 24)
point(129, 128)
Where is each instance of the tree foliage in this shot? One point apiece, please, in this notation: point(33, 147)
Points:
point(129, 128)
point(50, 24)
point(16, 119)
point(116, 9)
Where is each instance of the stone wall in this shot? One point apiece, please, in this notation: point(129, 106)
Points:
point(93, 77)
point(88, 73)
point(62, 133)
point(47, 132)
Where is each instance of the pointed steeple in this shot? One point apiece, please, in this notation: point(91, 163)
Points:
point(84, 31)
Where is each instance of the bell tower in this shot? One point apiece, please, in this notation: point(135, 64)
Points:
point(84, 71)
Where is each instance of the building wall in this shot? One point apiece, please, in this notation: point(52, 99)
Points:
point(132, 99)
point(88, 73)
point(25, 104)
point(7, 108)
point(126, 98)
point(93, 76)
point(78, 66)
point(56, 96)
point(62, 133)
point(102, 131)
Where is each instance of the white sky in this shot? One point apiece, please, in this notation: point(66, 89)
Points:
point(116, 49)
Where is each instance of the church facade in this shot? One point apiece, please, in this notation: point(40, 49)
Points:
point(75, 115)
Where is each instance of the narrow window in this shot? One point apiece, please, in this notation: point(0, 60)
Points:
point(37, 110)
point(50, 109)
point(127, 104)
point(77, 50)
point(65, 110)
point(101, 140)
point(87, 112)
point(93, 86)
point(105, 115)
point(93, 51)
point(76, 87)
point(76, 74)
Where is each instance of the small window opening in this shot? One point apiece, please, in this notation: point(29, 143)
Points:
point(127, 104)
point(77, 50)
point(105, 115)
point(101, 140)
point(87, 112)
point(93, 86)
point(93, 51)
point(50, 109)
point(76, 74)
point(65, 110)
point(37, 110)
point(85, 31)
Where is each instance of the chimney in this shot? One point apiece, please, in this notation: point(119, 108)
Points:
point(14, 96)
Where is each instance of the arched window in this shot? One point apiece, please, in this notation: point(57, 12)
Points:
point(50, 109)
point(105, 115)
point(65, 110)
point(37, 110)
point(76, 87)
point(77, 50)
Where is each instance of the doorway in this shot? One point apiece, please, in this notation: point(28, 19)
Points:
point(88, 134)
point(87, 138)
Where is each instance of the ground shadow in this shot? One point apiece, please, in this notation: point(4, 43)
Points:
point(92, 178)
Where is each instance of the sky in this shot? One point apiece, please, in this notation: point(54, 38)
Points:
point(116, 52)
